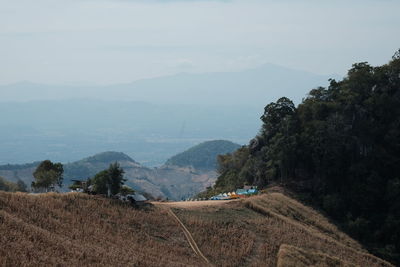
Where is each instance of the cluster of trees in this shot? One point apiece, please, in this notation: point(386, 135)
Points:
point(49, 175)
point(340, 149)
point(108, 182)
point(8, 186)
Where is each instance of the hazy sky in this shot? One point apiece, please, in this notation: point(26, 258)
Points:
point(111, 41)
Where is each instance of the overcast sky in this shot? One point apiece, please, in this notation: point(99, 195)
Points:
point(113, 41)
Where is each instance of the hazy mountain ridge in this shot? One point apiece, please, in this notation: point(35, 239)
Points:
point(257, 85)
point(175, 112)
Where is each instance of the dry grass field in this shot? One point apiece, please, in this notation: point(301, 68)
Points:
point(80, 230)
point(270, 230)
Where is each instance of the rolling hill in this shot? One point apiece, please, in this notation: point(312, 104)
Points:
point(203, 156)
point(77, 229)
point(165, 182)
point(174, 181)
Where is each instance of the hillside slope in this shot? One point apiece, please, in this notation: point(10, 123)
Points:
point(204, 155)
point(77, 229)
point(271, 229)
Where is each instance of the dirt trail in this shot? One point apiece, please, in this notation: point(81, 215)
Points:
point(189, 237)
point(193, 204)
point(190, 204)
point(167, 206)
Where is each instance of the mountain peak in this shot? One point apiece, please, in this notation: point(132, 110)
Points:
point(109, 156)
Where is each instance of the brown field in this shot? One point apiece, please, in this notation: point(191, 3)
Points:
point(289, 256)
point(193, 204)
point(82, 230)
point(77, 230)
point(252, 232)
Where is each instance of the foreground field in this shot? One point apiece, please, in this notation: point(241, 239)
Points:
point(82, 230)
point(77, 229)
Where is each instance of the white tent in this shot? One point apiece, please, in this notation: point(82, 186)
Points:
point(138, 197)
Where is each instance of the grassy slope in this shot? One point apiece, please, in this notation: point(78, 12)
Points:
point(76, 229)
point(270, 229)
point(73, 229)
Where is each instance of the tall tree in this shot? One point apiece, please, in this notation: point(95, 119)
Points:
point(48, 175)
point(110, 181)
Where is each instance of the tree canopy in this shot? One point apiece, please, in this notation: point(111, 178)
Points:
point(110, 181)
point(5, 185)
point(48, 175)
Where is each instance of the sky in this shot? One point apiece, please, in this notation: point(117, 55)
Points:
point(118, 41)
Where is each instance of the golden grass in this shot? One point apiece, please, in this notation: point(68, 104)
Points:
point(76, 229)
point(82, 230)
point(290, 256)
point(252, 231)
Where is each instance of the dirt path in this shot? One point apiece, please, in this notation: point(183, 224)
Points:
point(190, 204)
point(167, 206)
point(193, 204)
point(189, 238)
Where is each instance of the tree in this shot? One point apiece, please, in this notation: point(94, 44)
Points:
point(21, 185)
point(109, 182)
point(9, 186)
point(126, 190)
point(48, 175)
point(396, 55)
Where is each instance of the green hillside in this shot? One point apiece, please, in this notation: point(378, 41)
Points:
point(204, 155)
point(107, 157)
point(89, 166)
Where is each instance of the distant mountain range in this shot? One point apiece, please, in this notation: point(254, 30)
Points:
point(175, 180)
point(152, 119)
point(254, 86)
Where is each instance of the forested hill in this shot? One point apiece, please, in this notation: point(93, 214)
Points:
point(203, 156)
point(107, 157)
point(340, 148)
